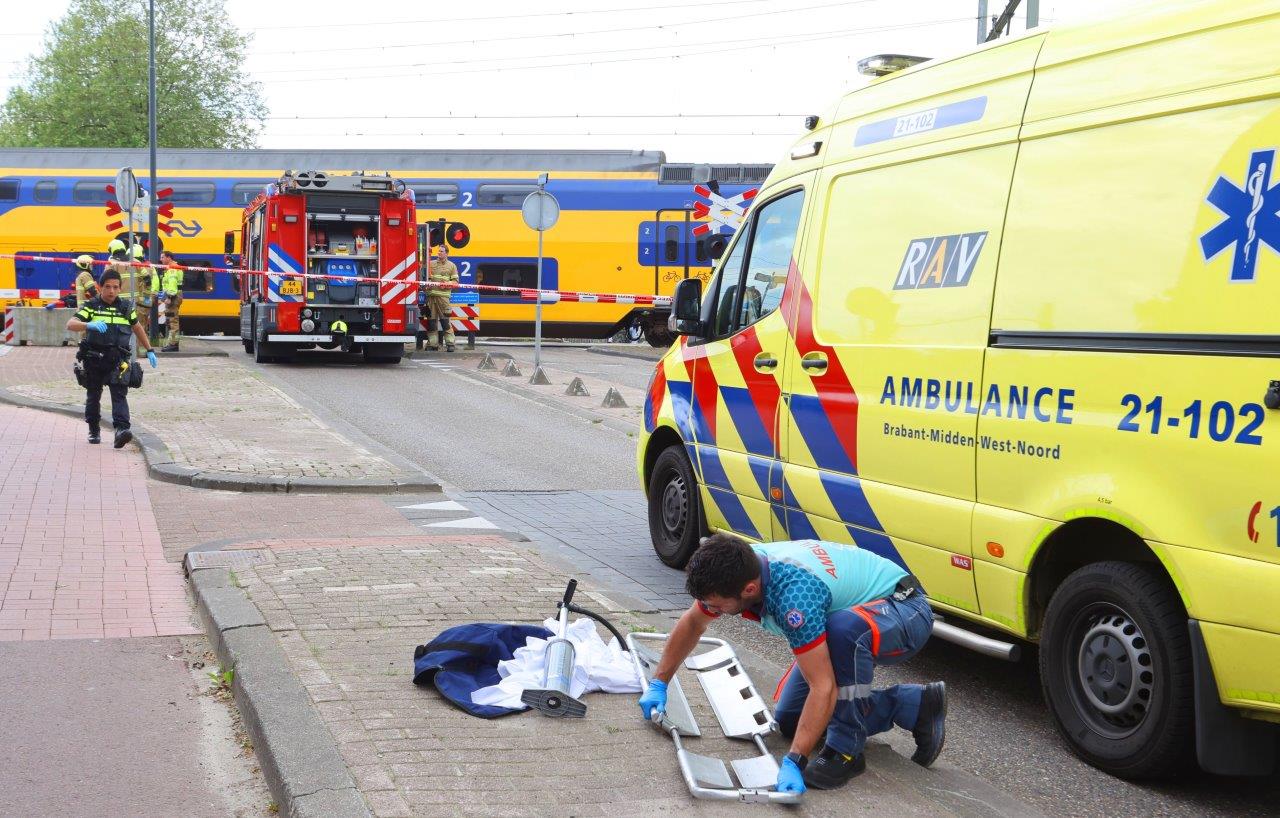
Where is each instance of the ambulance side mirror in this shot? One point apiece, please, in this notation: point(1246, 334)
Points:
point(686, 308)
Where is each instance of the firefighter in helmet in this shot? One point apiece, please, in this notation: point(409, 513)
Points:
point(440, 271)
point(171, 282)
point(86, 285)
point(148, 285)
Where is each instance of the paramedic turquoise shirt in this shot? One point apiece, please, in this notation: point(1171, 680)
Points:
point(804, 580)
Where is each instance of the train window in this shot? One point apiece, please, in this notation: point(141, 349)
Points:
point(191, 193)
point(91, 193)
point(244, 192)
point(439, 194)
point(46, 191)
point(8, 190)
point(503, 195)
point(671, 243)
point(508, 275)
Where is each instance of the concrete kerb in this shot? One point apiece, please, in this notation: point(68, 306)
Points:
point(300, 760)
point(651, 354)
point(161, 466)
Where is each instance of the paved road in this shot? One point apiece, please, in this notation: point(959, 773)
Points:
point(469, 430)
point(568, 485)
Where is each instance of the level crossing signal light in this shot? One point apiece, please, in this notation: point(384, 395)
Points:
point(456, 234)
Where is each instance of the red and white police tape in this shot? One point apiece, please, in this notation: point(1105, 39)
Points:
point(525, 293)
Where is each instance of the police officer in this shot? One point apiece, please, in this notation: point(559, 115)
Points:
point(843, 610)
point(442, 271)
point(171, 283)
point(107, 321)
point(86, 285)
point(148, 285)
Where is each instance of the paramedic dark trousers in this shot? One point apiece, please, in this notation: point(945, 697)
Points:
point(95, 379)
point(883, 632)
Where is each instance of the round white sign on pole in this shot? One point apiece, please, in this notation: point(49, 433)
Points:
point(540, 210)
point(126, 189)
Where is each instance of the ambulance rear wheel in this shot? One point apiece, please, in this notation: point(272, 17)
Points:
point(676, 522)
point(1115, 667)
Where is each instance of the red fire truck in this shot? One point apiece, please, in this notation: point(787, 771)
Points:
point(331, 262)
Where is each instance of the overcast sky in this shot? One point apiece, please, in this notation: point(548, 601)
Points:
point(375, 74)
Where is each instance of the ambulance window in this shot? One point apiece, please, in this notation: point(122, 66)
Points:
point(46, 191)
point(772, 240)
point(189, 193)
point(727, 296)
point(434, 194)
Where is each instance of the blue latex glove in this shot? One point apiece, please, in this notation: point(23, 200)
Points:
point(654, 699)
point(151, 358)
point(790, 779)
point(97, 326)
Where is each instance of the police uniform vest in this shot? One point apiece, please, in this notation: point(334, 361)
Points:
point(119, 317)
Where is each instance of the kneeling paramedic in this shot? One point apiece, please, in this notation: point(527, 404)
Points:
point(107, 321)
point(843, 610)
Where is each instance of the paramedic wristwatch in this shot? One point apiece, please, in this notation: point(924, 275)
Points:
point(800, 761)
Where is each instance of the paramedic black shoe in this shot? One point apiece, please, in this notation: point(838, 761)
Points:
point(831, 769)
point(122, 437)
point(94, 435)
point(931, 725)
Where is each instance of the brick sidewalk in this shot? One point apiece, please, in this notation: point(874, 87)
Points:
point(80, 555)
point(348, 613)
point(213, 414)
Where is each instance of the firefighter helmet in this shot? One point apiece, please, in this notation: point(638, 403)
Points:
point(84, 261)
point(115, 246)
point(138, 252)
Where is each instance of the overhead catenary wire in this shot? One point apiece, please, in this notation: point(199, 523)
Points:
point(760, 40)
point(562, 34)
point(572, 64)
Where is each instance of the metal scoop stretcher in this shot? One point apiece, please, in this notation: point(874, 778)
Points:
point(742, 714)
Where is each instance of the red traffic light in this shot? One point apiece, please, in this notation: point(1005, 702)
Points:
point(458, 235)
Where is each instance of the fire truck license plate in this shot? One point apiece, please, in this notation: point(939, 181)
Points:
point(291, 287)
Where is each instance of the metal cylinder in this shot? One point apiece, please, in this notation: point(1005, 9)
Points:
point(560, 657)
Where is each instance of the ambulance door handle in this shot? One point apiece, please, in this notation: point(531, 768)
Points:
point(764, 362)
point(815, 362)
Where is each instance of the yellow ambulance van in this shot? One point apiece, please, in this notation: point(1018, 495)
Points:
point(1012, 320)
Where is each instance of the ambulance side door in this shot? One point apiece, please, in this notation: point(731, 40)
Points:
point(737, 370)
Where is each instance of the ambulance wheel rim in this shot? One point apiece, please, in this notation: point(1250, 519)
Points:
point(1115, 678)
point(675, 505)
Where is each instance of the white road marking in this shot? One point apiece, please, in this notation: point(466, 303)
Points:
point(446, 505)
point(467, 522)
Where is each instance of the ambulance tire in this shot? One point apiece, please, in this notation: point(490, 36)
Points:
point(1115, 668)
point(676, 521)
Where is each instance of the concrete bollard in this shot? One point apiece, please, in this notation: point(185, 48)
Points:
point(613, 400)
point(540, 378)
point(486, 363)
point(577, 389)
point(511, 370)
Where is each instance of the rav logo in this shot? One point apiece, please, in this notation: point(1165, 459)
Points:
point(1251, 217)
point(940, 261)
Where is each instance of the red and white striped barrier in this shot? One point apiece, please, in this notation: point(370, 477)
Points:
point(8, 336)
point(464, 318)
point(528, 294)
point(30, 295)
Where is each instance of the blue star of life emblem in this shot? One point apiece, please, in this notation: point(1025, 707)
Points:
point(1251, 217)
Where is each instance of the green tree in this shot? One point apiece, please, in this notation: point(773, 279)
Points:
point(88, 86)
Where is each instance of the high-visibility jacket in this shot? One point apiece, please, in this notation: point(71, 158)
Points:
point(84, 281)
point(119, 316)
point(172, 281)
point(148, 286)
point(444, 272)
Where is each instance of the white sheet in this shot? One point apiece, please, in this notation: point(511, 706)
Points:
point(596, 667)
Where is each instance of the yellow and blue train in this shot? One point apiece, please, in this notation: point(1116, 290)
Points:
point(626, 222)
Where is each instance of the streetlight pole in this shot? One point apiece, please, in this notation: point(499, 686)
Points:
point(152, 250)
